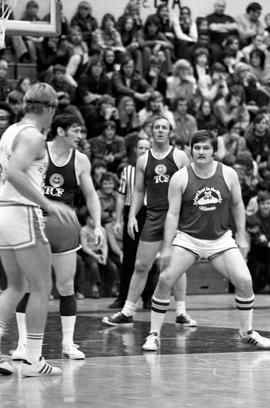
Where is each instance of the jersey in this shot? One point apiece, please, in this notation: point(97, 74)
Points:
point(61, 182)
point(34, 174)
point(205, 206)
point(157, 177)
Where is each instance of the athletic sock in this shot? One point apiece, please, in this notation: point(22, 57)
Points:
point(180, 306)
point(21, 324)
point(158, 313)
point(68, 318)
point(245, 307)
point(34, 347)
point(129, 308)
point(2, 331)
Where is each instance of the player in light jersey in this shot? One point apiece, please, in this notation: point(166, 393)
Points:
point(24, 248)
point(67, 170)
point(201, 197)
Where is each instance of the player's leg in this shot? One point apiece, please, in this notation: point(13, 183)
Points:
point(233, 267)
point(9, 297)
point(181, 261)
point(179, 292)
point(146, 255)
point(65, 269)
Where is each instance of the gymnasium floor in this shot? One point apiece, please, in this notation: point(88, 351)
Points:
point(203, 367)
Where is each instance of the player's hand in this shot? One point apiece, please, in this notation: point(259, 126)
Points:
point(242, 243)
point(132, 227)
point(99, 237)
point(164, 258)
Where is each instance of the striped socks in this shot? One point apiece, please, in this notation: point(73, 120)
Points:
point(158, 313)
point(245, 307)
point(34, 347)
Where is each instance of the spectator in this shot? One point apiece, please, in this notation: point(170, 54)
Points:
point(247, 171)
point(128, 117)
point(132, 9)
point(216, 87)
point(182, 82)
point(128, 32)
point(23, 85)
point(155, 107)
point(5, 84)
point(231, 143)
point(7, 117)
point(99, 167)
point(15, 101)
point(155, 78)
point(257, 42)
point(153, 42)
point(109, 146)
point(60, 83)
point(259, 69)
point(232, 46)
point(31, 14)
point(185, 30)
point(248, 24)
point(166, 26)
point(109, 61)
point(185, 124)
point(108, 36)
point(83, 18)
point(205, 117)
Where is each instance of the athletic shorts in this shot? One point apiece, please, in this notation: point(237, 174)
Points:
point(63, 237)
point(205, 248)
point(21, 226)
point(153, 226)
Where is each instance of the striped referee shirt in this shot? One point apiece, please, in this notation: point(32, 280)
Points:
point(127, 181)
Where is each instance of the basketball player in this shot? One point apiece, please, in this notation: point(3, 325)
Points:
point(24, 248)
point(67, 169)
point(153, 172)
point(200, 199)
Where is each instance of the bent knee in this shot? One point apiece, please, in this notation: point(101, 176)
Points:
point(65, 288)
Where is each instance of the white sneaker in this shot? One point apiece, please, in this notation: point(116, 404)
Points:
point(5, 367)
point(72, 352)
point(19, 353)
point(152, 342)
point(256, 339)
point(40, 369)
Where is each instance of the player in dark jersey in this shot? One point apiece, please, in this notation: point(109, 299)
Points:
point(67, 169)
point(200, 199)
point(153, 172)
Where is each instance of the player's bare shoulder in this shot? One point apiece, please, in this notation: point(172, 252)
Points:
point(230, 175)
point(82, 162)
point(33, 139)
point(180, 178)
point(142, 161)
point(180, 157)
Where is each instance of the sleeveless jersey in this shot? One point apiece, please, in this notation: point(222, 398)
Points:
point(205, 206)
point(157, 177)
point(34, 174)
point(61, 182)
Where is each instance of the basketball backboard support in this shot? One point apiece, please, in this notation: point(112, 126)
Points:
point(48, 9)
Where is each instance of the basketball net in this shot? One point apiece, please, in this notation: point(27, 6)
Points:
point(7, 6)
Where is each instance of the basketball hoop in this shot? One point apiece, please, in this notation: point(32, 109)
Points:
point(7, 8)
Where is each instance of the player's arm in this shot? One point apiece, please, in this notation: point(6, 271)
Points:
point(28, 147)
point(237, 208)
point(90, 194)
point(181, 159)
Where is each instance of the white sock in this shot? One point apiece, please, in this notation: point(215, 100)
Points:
point(129, 308)
point(34, 344)
point(180, 306)
point(21, 323)
point(68, 325)
point(158, 313)
point(245, 309)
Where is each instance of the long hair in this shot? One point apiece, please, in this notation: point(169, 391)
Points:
point(124, 117)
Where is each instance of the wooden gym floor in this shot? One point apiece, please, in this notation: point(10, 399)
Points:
point(203, 367)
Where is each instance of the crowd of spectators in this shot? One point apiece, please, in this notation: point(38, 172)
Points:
point(212, 72)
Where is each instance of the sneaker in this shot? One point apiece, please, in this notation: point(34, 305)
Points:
point(79, 296)
point(5, 367)
point(118, 319)
point(72, 352)
point(185, 320)
point(256, 339)
point(19, 353)
point(152, 342)
point(40, 369)
point(117, 304)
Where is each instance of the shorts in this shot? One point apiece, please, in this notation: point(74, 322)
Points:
point(63, 237)
point(153, 226)
point(205, 248)
point(21, 226)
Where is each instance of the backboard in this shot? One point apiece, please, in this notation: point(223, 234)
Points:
point(50, 10)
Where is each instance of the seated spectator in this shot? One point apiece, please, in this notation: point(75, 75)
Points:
point(65, 106)
point(7, 117)
point(92, 84)
point(153, 42)
point(127, 82)
point(108, 36)
point(232, 46)
point(155, 107)
point(259, 69)
point(98, 114)
point(64, 20)
point(232, 107)
point(249, 24)
point(128, 32)
point(107, 195)
point(99, 167)
point(23, 85)
point(83, 18)
point(166, 26)
point(5, 84)
point(267, 30)
point(205, 117)
point(51, 51)
point(203, 42)
point(109, 61)
point(231, 143)
point(185, 31)
point(109, 147)
point(128, 117)
point(257, 43)
point(155, 78)
point(215, 87)
point(181, 83)
point(79, 57)
point(132, 9)
point(99, 268)
point(258, 226)
point(60, 83)
point(185, 124)
point(247, 170)
point(201, 65)
point(15, 101)
point(31, 14)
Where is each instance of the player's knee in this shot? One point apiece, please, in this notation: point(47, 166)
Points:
point(65, 288)
point(245, 286)
point(164, 282)
point(141, 267)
